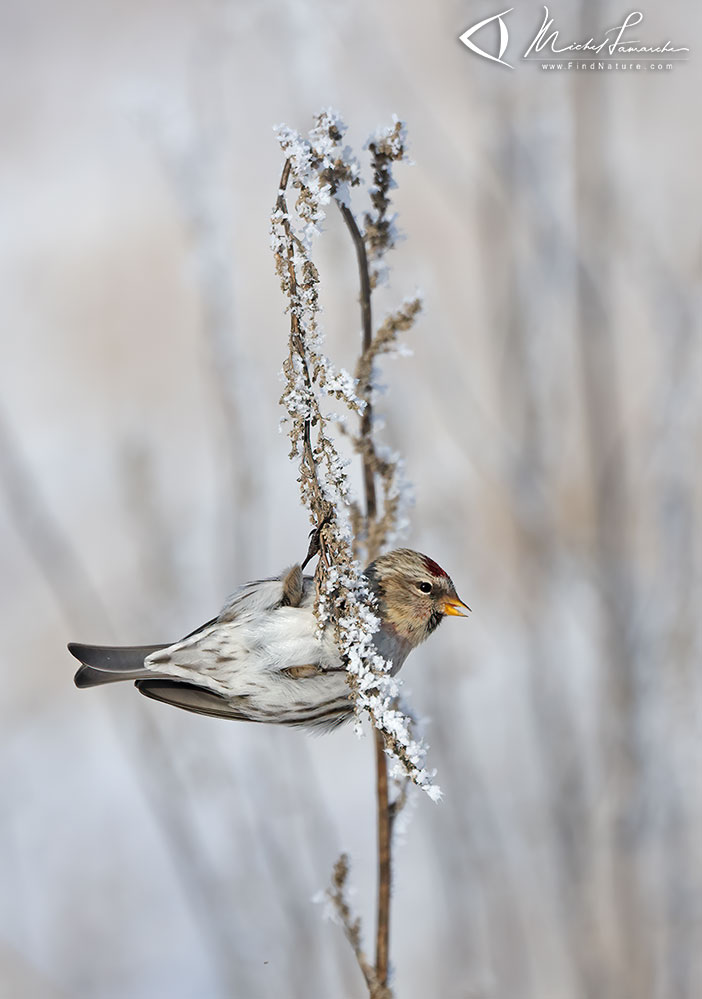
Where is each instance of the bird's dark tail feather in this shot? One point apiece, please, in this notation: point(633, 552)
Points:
point(104, 664)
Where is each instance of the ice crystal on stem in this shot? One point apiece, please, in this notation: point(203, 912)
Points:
point(323, 170)
point(387, 146)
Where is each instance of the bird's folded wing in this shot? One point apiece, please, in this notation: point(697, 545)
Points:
point(264, 595)
point(190, 697)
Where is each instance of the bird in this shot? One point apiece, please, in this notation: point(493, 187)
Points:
point(263, 659)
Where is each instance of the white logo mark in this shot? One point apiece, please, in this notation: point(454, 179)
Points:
point(504, 38)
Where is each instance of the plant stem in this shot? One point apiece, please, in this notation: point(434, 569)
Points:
point(382, 942)
point(366, 319)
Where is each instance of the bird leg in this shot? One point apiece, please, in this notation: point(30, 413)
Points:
point(314, 545)
point(302, 672)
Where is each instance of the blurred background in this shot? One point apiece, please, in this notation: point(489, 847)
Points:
point(550, 420)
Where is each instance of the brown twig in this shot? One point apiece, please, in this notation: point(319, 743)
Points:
point(319, 503)
point(382, 943)
point(365, 388)
point(382, 939)
point(319, 166)
point(377, 989)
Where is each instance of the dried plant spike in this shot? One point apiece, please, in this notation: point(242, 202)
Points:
point(387, 146)
point(321, 170)
point(336, 893)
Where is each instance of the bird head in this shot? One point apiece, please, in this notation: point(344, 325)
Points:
point(414, 594)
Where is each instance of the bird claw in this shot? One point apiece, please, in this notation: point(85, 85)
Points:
point(314, 545)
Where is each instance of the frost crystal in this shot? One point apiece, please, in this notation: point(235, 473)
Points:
point(387, 146)
point(322, 170)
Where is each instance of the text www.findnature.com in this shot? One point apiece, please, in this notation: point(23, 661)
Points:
point(599, 66)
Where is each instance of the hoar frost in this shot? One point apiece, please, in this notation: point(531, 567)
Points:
point(321, 169)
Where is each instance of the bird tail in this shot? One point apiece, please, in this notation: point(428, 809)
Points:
point(105, 664)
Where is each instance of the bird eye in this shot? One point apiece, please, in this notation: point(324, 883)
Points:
point(424, 587)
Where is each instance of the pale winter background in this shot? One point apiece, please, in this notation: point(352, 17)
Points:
point(551, 422)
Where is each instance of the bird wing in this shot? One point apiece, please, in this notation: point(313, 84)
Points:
point(267, 594)
point(321, 714)
point(190, 697)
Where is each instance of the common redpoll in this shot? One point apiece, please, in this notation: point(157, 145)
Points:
point(262, 659)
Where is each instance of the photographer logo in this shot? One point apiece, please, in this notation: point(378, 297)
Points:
point(504, 38)
point(614, 48)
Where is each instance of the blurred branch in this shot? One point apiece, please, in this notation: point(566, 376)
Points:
point(621, 705)
point(190, 154)
point(532, 475)
point(54, 554)
point(44, 538)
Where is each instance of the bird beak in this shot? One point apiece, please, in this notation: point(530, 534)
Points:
point(455, 607)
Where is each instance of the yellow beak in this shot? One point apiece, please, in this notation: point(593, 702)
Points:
point(455, 607)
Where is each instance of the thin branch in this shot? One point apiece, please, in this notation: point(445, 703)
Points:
point(321, 171)
point(382, 939)
point(382, 942)
point(352, 929)
point(365, 389)
point(281, 205)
